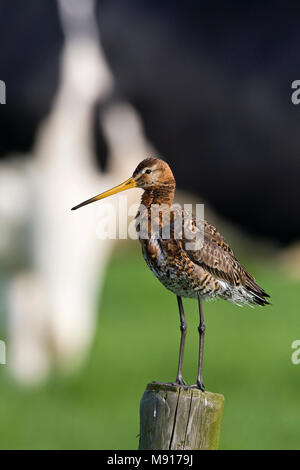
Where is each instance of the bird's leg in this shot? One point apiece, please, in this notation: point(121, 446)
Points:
point(201, 329)
point(183, 328)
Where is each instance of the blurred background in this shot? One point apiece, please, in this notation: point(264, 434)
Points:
point(92, 88)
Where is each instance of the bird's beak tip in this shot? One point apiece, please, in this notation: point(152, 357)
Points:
point(130, 183)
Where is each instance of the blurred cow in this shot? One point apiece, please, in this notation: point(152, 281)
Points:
point(55, 259)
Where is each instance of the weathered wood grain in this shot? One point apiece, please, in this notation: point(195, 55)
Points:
point(178, 418)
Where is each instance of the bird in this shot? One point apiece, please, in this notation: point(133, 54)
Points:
point(203, 270)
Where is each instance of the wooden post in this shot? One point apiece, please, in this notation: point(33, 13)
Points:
point(178, 418)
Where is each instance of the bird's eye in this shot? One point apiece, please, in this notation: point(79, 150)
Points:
point(148, 171)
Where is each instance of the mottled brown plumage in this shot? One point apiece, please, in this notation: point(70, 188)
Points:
point(203, 271)
point(212, 270)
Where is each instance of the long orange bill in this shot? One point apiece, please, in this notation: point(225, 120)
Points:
point(130, 183)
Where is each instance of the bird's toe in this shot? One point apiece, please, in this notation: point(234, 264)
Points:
point(180, 381)
point(200, 385)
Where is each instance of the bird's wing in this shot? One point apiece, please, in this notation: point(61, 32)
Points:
point(214, 255)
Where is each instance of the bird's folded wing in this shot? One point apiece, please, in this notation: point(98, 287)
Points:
point(214, 255)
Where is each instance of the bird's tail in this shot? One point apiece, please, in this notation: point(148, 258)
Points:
point(258, 294)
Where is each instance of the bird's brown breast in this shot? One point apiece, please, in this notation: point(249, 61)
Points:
point(170, 264)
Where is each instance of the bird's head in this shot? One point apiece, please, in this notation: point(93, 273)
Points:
point(151, 173)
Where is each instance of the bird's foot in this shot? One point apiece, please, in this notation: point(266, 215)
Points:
point(198, 385)
point(180, 381)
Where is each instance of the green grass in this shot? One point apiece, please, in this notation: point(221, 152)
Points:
point(247, 358)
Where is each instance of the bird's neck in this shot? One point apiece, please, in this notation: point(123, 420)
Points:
point(158, 195)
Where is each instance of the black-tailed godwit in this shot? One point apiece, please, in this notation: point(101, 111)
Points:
point(205, 271)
